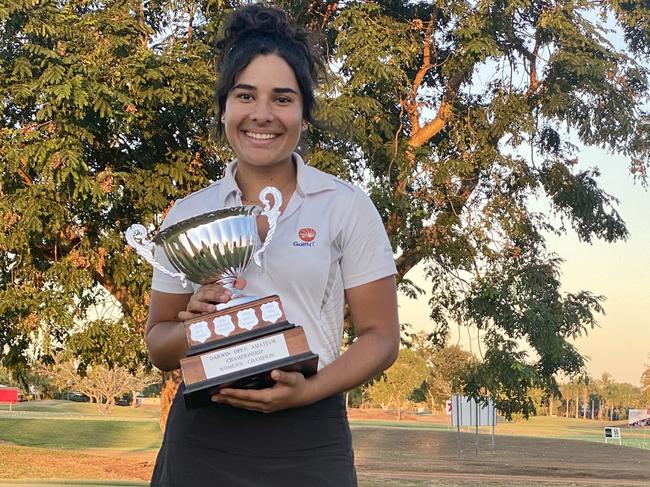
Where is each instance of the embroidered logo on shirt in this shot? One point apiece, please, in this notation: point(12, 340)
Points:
point(307, 236)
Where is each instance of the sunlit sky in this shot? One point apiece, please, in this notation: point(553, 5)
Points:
point(619, 271)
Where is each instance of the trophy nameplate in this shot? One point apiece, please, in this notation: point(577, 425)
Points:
point(246, 365)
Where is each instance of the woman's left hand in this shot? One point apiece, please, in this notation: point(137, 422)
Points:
point(290, 390)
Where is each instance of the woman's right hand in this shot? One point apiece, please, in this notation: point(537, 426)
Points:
point(206, 299)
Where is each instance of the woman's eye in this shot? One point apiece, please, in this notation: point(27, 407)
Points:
point(244, 96)
point(283, 99)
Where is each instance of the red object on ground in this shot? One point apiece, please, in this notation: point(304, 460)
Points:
point(8, 394)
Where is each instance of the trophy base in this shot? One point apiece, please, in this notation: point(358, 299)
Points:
point(246, 364)
point(199, 394)
point(238, 347)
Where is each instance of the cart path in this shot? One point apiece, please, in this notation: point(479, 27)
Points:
point(409, 475)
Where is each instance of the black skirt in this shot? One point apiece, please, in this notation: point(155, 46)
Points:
point(224, 446)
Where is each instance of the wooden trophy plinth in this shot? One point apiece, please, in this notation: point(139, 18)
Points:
point(239, 347)
point(246, 365)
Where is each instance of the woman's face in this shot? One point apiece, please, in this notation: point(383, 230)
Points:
point(263, 113)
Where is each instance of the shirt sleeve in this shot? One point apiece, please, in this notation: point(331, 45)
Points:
point(161, 281)
point(366, 251)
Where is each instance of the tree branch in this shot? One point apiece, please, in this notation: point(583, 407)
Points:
point(406, 262)
point(534, 82)
point(25, 177)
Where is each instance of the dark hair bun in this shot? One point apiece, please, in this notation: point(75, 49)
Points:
point(258, 21)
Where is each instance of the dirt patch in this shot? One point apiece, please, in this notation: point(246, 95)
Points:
point(440, 452)
point(19, 462)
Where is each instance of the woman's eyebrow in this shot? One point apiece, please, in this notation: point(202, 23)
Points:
point(284, 90)
point(243, 86)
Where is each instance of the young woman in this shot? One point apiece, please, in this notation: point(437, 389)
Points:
point(329, 247)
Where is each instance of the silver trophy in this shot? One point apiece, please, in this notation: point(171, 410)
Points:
point(214, 247)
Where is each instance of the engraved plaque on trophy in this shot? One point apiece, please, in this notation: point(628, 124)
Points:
point(246, 364)
point(217, 247)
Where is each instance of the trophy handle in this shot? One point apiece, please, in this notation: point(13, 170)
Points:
point(271, 213)
point(136, 236)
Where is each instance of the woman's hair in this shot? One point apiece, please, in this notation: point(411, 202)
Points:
point(257, 30)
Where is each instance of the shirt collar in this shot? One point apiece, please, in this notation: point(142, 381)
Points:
point(229, 183)
point(309, 180)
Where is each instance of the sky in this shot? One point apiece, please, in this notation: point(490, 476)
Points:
point(619, 271)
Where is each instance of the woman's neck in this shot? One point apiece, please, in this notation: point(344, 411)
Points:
point(252, 179)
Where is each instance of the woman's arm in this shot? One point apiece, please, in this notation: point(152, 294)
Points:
point(165, 334)
point(374, 313)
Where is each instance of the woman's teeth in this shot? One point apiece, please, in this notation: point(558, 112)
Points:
point(256, 136)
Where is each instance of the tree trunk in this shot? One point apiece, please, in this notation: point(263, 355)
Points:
point(577, 404)
point(134, 401)
point(399, 410)
point(600, 409)
point(171, 381)
point(550, 406)
point(100, 405)
point(110, 404)
point(567, 409)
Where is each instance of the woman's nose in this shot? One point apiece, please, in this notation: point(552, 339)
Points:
point(262, 113)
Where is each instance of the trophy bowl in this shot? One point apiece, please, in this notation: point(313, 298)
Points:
point(213, 247)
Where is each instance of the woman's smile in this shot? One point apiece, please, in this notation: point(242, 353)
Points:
point(261, 136)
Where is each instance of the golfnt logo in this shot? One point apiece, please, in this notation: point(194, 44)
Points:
point(307, 236)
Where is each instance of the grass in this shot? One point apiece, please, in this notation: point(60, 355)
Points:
point(79, 426)
point(78, 409)
point(81, 435)
point(535, 427)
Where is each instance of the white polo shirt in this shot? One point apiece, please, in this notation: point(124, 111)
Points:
point(329, 238)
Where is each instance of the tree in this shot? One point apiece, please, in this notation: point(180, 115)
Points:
point(407, 373)
point(447, 368)
point(105, 113)
point(586, 386)
point(567, 390)
point(626, 396)
point(645, 386)
point(102, 384)
point(380, 393)
point(605, 387)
